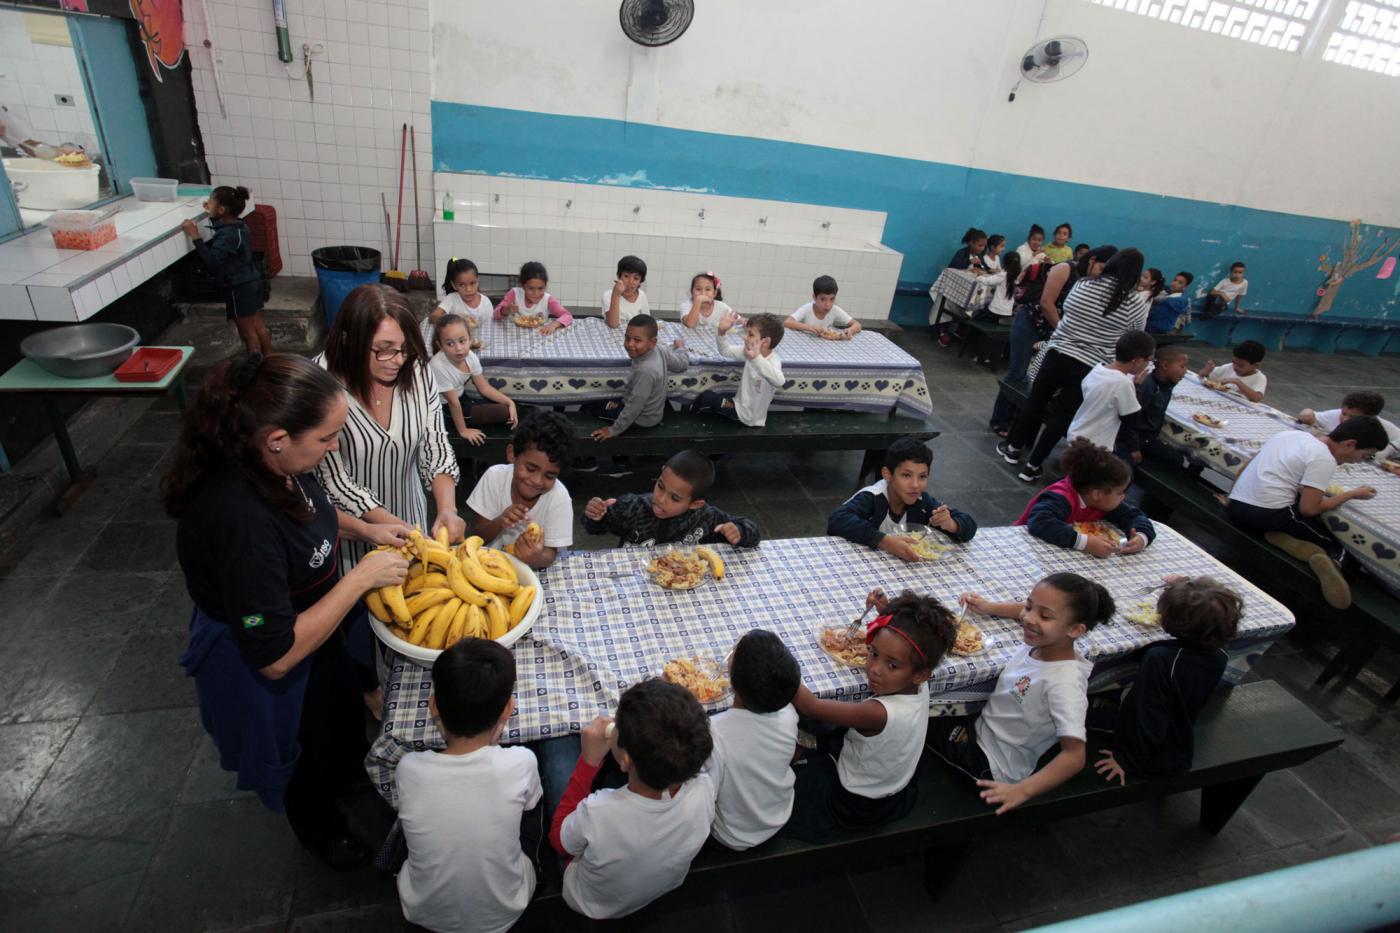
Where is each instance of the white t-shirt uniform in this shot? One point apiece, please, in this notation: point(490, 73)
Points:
point(761, 379)
point(626, 310)
point(836, 317)
point(447, 377)
point(1328, 421)
point(877, 766)
point(538, 309)
point(752, 774)
point(1002, 304)
point(629, 849)
point(1284, 465)
point(1255, 380)
point(461, 820)
point(1232, 290)
point(1109, 396)
point(710, 323)
point(453, 304)
point(554, 512)
point(1034, 703)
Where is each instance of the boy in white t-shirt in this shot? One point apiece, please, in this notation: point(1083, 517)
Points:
point(1110, 390)
point(1360, 402)
point(461, 296)
point(822, 316)
point(762, 376)
point(754, 743)
point(1281, 493)
point(625, 300)
point(470, 813)
point(1231, 288)
point(1242, 374)
point(626, 846)
point(527, 489)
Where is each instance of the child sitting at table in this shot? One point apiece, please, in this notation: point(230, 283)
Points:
point(454, 364)
point(762, 376)
point(1137, 436)
point(1092, 490)
point(1169, 308)
point(751, 768)
point(865, 777)
point(968, 258)
point(991, 256)
point(822, 316)
point(627, 846)
point(1058, 249)
point(1040, 696)
point(674, 513)
point(461, 296)
point(1242, 373)
point(1356, 404)
point(1154, 723)
point(469, 862)
point(625, 300)
point(530, 300)
point(878, 516)
point(1109, 390)
point(644, 400)
point(525, 489)
point(705, 308)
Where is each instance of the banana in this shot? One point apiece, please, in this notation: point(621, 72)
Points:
point(377, 607)
point(461, 588)
point(476, 622)
point(520, 605)
point(415, 542)
point(472, 545)
point(478, 576)
point(418, 634)
point(427, 599)
point(437, 556)
point(497, 616)
point(497, 564)
point(442, 623)
point(426, 582)
point(443, 541)
point(458, 629)
point(394, 601)
point(716, 563)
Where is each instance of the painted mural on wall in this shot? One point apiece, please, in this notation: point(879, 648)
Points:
point(1354, 258)
point(162, 33)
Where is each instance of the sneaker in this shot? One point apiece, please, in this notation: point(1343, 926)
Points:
point(1336, 592)
point(1029, 473)
point(586, 465)
point(945, 341)
point(1008, 453)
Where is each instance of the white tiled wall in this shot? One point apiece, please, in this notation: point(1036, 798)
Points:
point(324, 163)
point(579, 231)
point(32, 73)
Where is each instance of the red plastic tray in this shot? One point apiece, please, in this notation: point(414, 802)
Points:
point(148, 364)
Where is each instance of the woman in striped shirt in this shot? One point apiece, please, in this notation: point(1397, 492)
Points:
point(1098, 311)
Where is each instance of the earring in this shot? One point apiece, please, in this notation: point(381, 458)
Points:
point(277, 450)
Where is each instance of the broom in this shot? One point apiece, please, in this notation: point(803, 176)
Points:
point(394, 272)
point(418, 278)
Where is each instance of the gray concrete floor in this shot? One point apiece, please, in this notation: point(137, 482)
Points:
point(114, 813)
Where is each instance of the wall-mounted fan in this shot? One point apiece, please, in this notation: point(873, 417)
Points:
point(655, 22)
point(1052, 60)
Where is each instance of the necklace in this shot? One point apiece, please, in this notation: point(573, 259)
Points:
point(380, 401)
point(304, 497)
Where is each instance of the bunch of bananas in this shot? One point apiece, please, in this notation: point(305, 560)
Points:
point(451, 593)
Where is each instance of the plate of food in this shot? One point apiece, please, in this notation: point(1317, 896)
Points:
point(971, 640)
point(1144, 613)
point(1105, 530)
point(705, 678)
point(527, 320)
point(1209, 421)
point(844, 645)
point(685, 570)
point(927, 544)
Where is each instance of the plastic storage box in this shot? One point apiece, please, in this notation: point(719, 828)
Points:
point(154, 189)
point(81, 229)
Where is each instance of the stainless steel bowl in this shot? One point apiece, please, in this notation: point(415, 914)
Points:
point(81, 351)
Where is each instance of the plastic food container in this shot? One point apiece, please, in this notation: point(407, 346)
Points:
point(148, 364)
point(154, 189)
point(47, 186)
point(81, 229)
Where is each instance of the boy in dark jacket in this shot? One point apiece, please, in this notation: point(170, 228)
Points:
point(674, 513)
point(1137, 438)
point(1153, 729)
point(879, 515)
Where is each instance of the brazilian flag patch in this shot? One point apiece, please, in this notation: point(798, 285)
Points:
point(252, 621)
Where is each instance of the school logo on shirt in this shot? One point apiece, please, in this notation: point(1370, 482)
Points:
point(253, 621)
point(1020, 689)
point(319, 555)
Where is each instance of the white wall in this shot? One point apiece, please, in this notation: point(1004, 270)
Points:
point(324, 163)
point(1159, 108)
point(31, 73)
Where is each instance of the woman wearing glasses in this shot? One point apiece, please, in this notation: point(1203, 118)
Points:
point(393, 446)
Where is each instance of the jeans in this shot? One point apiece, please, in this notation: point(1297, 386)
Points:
point(1054, 398)
point(711, 402)
point(1023, 338)
point(557, 758)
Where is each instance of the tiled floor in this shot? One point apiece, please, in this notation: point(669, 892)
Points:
point(114, 813)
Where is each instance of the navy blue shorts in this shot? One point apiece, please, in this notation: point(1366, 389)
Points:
point(244, 300)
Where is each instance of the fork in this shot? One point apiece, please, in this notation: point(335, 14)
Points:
point(855, 626)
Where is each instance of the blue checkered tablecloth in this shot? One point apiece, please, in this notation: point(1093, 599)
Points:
point(966, 290)
point(1368, 528)
point(604, 626)
point(585, 362)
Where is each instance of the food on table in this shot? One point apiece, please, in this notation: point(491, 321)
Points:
point(473, 592)
point(704, 678)
point(844, 644)
point(1217, 386)
point(532, 531)
point(77, 159)
point(1335, 489)
point(1209, 421)
point(927, 548)
point(85, 237)
point(830, 334)
point(713, 559)
point(676, 570)
point(478, 344)
point(968, 641)
point(1099, 530)
point(527, 320)
point(1143, 612)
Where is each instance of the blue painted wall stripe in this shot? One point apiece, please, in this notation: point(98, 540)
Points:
point(929, 204)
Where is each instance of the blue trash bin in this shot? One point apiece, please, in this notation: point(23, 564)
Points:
point(340, 270)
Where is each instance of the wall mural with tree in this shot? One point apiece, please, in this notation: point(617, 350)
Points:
point(1351, 262)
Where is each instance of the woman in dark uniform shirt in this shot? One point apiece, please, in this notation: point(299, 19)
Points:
point(257, 543)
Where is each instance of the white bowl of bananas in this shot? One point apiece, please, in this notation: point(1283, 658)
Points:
point(452, 593)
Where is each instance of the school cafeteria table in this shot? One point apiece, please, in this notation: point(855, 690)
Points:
point(960, 288)
point(605, 626)
point(585, 362)
point(1368, 528)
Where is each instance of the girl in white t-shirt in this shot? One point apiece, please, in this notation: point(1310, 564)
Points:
point(865, 778)
point(705, 308)
point(461, 296)
point(453, 366)
point(1042, 695)
point(530, 300)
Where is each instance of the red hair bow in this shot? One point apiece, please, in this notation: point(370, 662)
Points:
point(886, 622)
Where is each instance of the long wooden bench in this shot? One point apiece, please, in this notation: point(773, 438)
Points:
point(785, 431)
point(1373, 618)
point(1326, 334)
point(1242, 734)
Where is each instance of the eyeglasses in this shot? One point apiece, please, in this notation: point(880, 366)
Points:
point(386, 354)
